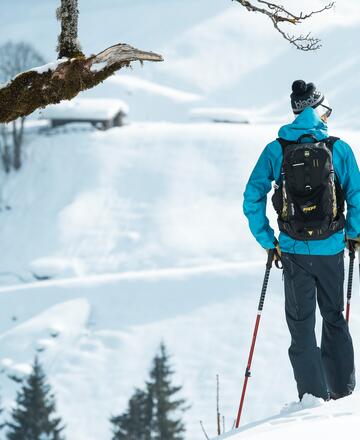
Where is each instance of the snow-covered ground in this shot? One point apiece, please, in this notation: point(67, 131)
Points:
point(311, 419)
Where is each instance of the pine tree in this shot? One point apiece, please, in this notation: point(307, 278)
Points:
point(165, 425)
point(151, 414)
point(34, 418)
point(135, 423)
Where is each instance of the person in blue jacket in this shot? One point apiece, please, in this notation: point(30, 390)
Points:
point(313, 269)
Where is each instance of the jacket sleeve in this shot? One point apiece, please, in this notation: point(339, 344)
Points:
point(255, 198)
point(351, 187)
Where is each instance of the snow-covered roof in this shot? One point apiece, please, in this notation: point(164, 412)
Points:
point(221, 114)
point(86, 109)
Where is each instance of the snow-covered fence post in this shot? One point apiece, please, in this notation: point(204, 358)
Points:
point(68, 14)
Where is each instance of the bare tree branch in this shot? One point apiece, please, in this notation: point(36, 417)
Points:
point(51, 84)
point(203, 430)
point(279, 14)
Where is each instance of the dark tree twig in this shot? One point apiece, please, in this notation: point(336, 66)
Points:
point(203, 430)
point(278, 14)
point(218, 416)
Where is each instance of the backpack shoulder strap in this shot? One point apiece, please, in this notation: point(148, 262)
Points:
point(284, 143)
point(330, 141)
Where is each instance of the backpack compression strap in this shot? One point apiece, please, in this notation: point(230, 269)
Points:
point(330, 141)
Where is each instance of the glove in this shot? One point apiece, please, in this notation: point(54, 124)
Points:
point(277, 255)
point(352, 243)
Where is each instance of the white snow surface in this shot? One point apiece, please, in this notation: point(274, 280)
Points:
point(220, 114)
point(132, 84)
point(310, 418)
point(49, 66)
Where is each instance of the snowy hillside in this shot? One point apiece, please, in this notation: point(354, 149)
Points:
point(148, 195)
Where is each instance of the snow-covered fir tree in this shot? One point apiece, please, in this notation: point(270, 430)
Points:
point(166, 421)
point(68, 15)
point(33, 417)
point(135, 423)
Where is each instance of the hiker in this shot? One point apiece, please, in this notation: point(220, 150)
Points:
point(314, 175)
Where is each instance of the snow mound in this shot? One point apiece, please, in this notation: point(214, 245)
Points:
point(132, 84)
point(47, 333)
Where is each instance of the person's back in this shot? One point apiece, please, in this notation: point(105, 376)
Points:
point(313, 263)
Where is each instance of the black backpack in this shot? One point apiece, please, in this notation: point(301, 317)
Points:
point(308, 198)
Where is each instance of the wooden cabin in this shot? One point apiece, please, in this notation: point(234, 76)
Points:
point(101, 113)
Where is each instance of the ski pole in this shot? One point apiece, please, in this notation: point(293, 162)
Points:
point(350, 278)
point(272, 253)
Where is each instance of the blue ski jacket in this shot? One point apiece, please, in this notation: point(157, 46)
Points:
point(268, 169)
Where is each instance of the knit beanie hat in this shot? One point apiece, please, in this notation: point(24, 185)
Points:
point(305, 95)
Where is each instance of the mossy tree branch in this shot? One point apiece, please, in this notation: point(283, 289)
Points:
point(51, 84)
point(71, 74)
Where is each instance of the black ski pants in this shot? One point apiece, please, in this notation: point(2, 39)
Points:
point(327, 371)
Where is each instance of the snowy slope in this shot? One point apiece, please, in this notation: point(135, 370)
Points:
point(142, 196)
point(206, 319)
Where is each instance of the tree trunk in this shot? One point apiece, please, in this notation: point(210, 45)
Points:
point(5, 150)
point(68, 15)
point(18, 135)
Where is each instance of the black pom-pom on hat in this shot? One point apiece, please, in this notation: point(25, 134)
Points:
point(299, 87)
point(304, 95)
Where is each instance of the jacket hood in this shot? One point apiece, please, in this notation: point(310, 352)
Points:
point(308, 122)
